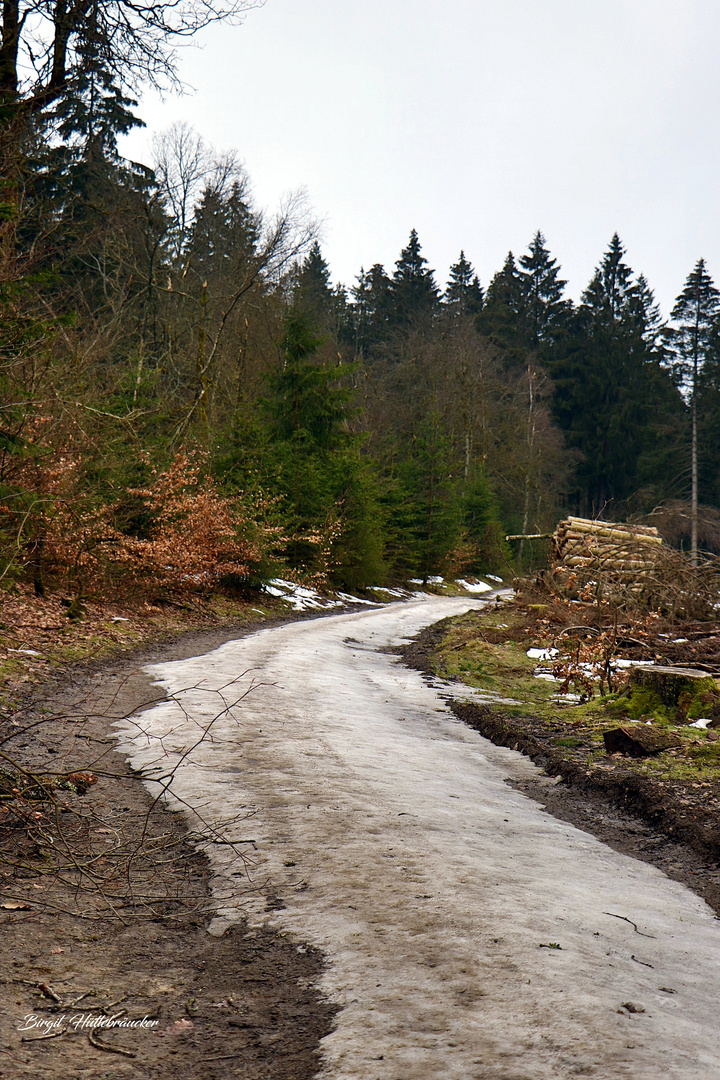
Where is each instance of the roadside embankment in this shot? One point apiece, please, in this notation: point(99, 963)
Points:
point(662, 807)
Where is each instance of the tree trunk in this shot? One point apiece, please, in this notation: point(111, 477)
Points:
point(9, 50)
point(530, 446)
point(694, 469)
point(694, 495)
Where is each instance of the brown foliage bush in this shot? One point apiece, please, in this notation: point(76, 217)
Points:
point(195, 534)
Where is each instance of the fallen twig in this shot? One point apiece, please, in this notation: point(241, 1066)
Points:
point(94, 1041)
point(634, 925)
point(41, 1038)
point(48, 992)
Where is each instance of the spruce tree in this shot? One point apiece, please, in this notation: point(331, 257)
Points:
point(543, 307)
point(77, 161)
point(313, 291)
point(502, 318)
point(607, 380)
point(315, 462)
point(413, 294)
point(315, 297)
point(370, 311)
point(223, 237)
point(610, 292)
point(464, 294)
point(94, 220)
point(694, 340)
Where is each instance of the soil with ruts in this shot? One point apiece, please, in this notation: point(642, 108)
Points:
point(132, 943)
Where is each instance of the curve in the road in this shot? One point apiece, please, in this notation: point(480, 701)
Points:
point(437, 892)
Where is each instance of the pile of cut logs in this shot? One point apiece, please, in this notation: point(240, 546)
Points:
point(626, 552)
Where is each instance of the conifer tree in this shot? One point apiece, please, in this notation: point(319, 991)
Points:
point(94, 219)
point(76, 166)
point(543, 307)
point(370, 312)
point(694, 340)
point(464, 294)
point(502, 316)
point(610, 292)
point(223, 237)
point(313, 287)
point(315, 297)
point(316, 463)
point(608, 389)
point(413, 294)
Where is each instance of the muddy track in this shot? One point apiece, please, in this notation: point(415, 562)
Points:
point(462, 925)
point(244, 1004)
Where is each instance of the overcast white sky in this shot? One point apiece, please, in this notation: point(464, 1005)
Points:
point(475, 122)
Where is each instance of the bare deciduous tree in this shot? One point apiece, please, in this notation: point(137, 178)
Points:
point(45, 43)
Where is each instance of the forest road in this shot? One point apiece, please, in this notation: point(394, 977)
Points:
point(467, 933)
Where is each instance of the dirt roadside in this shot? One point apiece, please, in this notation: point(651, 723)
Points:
point(131, 942)
point(674, 825)
point(245, 1004)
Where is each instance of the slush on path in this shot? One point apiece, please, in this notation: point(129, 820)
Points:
point(468, 934)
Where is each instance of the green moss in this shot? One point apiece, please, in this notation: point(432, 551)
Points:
point(469, 652)
point(706, 754)
point(643, 702)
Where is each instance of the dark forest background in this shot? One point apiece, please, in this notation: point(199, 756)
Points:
point(187, 397)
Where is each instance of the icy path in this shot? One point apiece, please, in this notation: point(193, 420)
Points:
point(386, 828)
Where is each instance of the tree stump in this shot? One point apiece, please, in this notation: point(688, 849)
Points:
point(670, 682)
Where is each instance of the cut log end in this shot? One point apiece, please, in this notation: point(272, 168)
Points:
point(640, 740)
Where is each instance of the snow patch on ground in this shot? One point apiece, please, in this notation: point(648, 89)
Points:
point(300, 597)
point(473, 587)
point(542, 654)
point(388, 830)
point(588, 669)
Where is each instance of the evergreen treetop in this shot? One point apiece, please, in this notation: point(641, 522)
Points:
point(223, 235)
point(501, 318)
point(371, 309)
point(609, 295)
point(542, 289)
point(314, 295)
point(464, 294)
point(696, 311)
point(413, 294)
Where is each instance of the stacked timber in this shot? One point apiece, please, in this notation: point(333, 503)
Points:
point(584, 548)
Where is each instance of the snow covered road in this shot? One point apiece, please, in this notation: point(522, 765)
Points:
point(435, 890)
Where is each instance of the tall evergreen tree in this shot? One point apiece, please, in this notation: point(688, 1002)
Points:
point(608, 390)
point(464, 294)
point(314, 295)
point(316, 464)
point(413, 294)
point(543, 307)
point(502, 316)
point(370, 313)
point(313, 291)
point(222, 238)
point(77, 169)
point(610, 292)
point(93, 219)
point(696, 312)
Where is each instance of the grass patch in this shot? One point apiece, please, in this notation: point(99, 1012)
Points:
point(488, 650)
